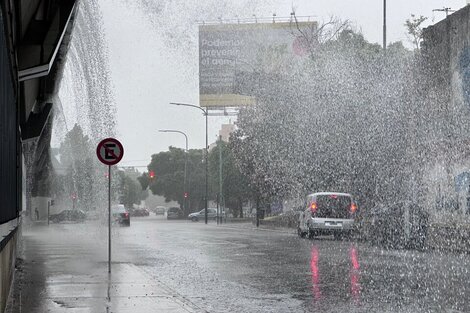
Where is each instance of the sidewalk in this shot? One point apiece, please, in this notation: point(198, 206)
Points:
point(60, 272)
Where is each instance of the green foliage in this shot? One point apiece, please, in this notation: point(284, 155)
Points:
point(340, 122)
point(235, 187)
point(130, 191)
point(415, 30)
point(168, 167)
point(169, 176)
point(78, 158)
point(144, 181)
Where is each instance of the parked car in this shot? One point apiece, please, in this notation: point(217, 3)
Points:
point(174, 213)
point(120, 215)
point(139, 212)
point(159, 210)
point(196, 216)
point(68, 216)
point(328, 213)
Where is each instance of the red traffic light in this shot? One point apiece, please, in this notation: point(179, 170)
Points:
point(152, 174)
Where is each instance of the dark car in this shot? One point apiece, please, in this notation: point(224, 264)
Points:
point(139, 212)
point(68, 216)
point(120, 215)
point(174, 213)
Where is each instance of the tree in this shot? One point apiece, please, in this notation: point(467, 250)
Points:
point(415, 30)
point(317, 37)
point(235, 187)
point(78, 159)
point(338, 123)
point(130, 191)
point(168, 168)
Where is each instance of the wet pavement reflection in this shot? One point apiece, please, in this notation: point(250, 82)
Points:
point(234, 268)
point(266, 271)
point(354, 275)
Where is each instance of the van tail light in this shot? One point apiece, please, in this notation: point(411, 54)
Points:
point(353, 208)
point(313, 207)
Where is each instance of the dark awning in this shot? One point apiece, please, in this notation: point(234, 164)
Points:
point(42, 41)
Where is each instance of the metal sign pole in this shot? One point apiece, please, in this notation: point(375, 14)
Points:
point(109, 219)
point(109, 151)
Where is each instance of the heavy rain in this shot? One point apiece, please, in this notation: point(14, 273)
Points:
point(233, 156)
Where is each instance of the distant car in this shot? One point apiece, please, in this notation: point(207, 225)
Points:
point(328, 213)
point(196, 216)
point(160, 210)
point(139, 212)
point(120, 215)
point(174, 213)
point(68, 216)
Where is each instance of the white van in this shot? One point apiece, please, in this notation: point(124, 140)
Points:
point(328, 213)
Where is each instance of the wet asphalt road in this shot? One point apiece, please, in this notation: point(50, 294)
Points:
point(236, 268)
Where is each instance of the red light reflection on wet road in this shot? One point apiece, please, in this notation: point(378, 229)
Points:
point(354, 274)
point(315, 273)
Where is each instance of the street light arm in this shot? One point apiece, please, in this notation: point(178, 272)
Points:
point(175, 131)
point(206, 151)
point(185, 163)
point(190, 105)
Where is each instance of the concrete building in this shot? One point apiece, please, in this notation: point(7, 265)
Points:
point(226, 130)
point(224, 133)
point(446, 51)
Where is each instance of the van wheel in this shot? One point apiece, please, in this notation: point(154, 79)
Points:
point(300, 233)
point(310, 233)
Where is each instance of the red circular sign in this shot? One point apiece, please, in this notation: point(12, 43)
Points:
point(110, 151)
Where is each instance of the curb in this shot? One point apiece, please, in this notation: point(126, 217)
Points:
point(252, 227)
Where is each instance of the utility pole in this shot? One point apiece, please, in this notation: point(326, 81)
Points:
point(220, 179)
point(444, 9)
point(385, 26)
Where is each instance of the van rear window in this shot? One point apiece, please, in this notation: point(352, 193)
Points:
point(333, 206)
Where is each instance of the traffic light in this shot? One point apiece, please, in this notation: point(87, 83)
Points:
point(186, 194)
point(152, 174)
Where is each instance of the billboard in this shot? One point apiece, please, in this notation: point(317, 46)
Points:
point(228, 51)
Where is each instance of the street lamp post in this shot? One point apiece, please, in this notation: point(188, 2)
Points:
point(385, 26)
point(206, 152)
point(185, 208)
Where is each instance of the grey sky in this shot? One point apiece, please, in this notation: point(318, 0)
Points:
point(152, 66)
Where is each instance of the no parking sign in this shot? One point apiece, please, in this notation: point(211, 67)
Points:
point(109, 151)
